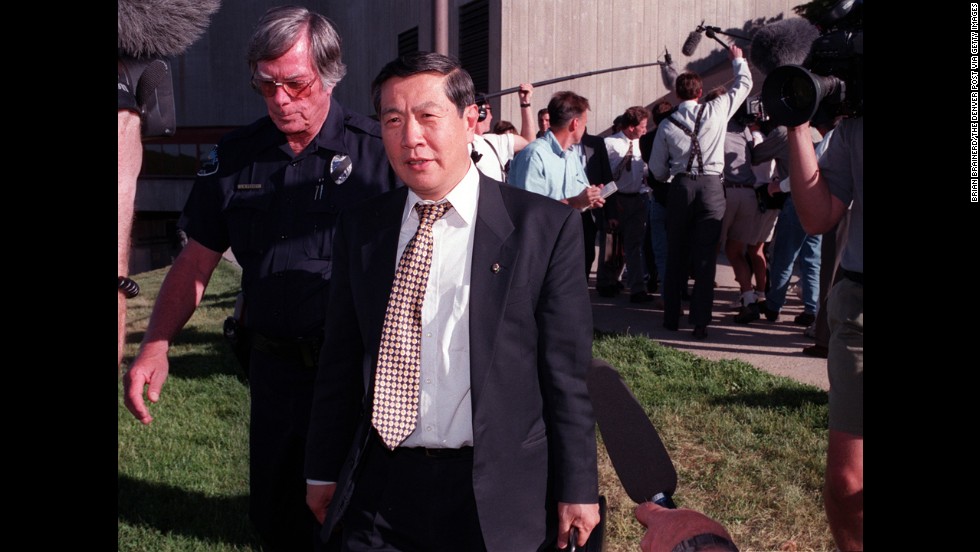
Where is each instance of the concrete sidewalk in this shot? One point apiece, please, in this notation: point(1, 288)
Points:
point(774, 347)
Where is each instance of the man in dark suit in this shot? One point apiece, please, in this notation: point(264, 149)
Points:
point(500, 452)
point(595, 159)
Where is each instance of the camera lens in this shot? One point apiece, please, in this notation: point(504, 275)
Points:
point(792, 94)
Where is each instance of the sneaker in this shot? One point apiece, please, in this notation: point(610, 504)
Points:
point(771, 315)
point(804, 319)
point(736, 304)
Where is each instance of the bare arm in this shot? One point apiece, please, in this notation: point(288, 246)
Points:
point(179, 296)
point(130, 156)
point(818, 209)
point(528, 123)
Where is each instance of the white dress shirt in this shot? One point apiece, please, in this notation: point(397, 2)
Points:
point(630, 181)
point(445, 411)
point(672, 148)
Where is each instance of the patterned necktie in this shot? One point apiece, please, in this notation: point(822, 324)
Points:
point(396, 385)
point(627, 163)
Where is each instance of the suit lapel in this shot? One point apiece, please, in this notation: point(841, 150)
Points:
point(494, 258)
point(378, 250)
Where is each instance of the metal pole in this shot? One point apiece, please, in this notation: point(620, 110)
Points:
point(575, 76)
point(440, 26)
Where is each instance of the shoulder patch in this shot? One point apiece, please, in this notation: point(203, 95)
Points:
point(210, 165)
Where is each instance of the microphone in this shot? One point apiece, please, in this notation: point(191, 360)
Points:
point(667, 71)
point(785, 42)
point(638, 455)
point(693, 39)
point(161, 28)
point(150, 30)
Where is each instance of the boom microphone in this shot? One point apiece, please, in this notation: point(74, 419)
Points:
point(638, 455)
point(785, 42)
point(667, 71)
point(161, 28)
point(693, 39)
point(150, 30)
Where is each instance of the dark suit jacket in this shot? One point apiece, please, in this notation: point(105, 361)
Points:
point(530, 347)
point(597, 167)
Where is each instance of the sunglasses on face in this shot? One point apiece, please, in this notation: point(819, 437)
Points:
point(294, 89)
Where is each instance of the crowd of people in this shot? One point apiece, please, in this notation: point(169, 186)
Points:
point(377, 309)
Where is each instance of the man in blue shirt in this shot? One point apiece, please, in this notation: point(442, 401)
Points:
point(547, 167)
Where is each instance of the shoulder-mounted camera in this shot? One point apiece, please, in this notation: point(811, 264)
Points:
point(830, 82)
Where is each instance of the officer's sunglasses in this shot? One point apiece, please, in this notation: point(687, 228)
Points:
point(295, 89)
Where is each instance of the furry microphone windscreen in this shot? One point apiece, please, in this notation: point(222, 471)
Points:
point(162, 28)
point(693, 39)
point(669, 74)
point(785, 42)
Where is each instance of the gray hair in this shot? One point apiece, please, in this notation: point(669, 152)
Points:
point(279, 30)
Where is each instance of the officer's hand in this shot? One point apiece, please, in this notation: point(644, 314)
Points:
point(734, 52)
point(318, 499)
point(149, 368)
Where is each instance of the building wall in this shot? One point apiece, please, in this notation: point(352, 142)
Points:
point(537, 40)
point(545, 40)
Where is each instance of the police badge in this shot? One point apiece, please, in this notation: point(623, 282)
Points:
point(210, 165)
point(340, 167)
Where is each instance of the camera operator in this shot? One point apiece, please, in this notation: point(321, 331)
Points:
point(822, 194)
point(829, 84)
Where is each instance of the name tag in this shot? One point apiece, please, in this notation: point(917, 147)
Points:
point(248, 186)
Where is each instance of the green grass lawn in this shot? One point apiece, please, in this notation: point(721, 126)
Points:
point(749, 447)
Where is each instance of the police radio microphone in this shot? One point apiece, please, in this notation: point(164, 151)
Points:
point(693, 39)
point(148, 31)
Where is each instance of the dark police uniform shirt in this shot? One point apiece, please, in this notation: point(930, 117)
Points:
point(277, 211)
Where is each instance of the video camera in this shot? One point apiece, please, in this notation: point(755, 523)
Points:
point(831, 80)
point(146, 87)
point(756, 109)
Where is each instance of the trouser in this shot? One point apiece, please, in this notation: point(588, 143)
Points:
point(790, 242)
point(282, 395)
point(590, 229)
point(657, 222)
point(695, 208)
point(845, 358)
point(632, 213)
point(831, 247)
point(413, 499)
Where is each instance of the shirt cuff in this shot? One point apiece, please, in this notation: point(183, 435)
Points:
point(784, 185)
point(318, 482)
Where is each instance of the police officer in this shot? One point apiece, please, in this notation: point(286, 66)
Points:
point(272, 191)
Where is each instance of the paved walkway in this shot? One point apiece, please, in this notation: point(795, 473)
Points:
point(774, 347)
